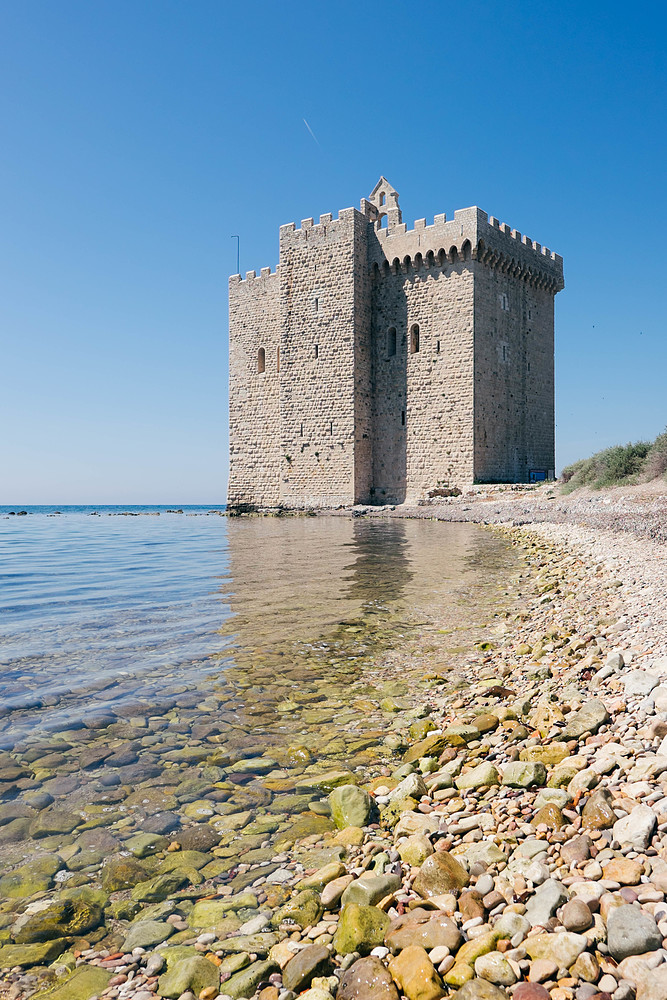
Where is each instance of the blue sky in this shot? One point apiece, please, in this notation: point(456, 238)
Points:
point(137, 137)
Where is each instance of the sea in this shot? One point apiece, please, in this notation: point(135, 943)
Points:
point(152, 657)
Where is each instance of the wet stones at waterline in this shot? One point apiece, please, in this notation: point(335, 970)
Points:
point(485, 865)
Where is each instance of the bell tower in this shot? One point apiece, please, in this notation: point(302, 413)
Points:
point(385, 199)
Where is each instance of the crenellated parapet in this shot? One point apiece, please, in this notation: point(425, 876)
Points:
point(501, 247)
point(327, 228)
point(470, 235)
point(251, 276)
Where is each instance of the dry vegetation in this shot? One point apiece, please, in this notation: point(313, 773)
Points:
point(621, 465)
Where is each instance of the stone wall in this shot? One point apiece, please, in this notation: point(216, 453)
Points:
point(514, 377)
point(318, 278)
point(254, 424)
point(423, 412)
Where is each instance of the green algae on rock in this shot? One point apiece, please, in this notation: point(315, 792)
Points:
point(195, 974)
point(85, 982)
point(360, 928)
point(350, 806)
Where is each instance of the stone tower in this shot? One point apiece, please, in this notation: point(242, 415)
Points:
point(377, 362)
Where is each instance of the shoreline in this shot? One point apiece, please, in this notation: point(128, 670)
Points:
point(639, 510)
point(581, 635)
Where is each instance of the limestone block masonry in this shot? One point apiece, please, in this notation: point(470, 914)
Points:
point(378, 363)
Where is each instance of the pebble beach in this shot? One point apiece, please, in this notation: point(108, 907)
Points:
point(511, 843)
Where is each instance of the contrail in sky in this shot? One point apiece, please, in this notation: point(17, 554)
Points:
point(311, 131)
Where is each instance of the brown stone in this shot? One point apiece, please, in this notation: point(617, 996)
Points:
point(610, 901)
point(576, 916)
point(415, 976)
point(367, 979)
point(530, 991)
point(486, 723)
point(440, 873)
point(577, 849)
point(625, 871)
point(493, 899)
point(427, 928)
point(471, 905)
point(597, 813)
point(268, 993)
point(549, 816)
point(314, 960)
point(480, 989)
point(542, 969)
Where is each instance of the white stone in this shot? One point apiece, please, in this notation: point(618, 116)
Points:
point(636, 829)
point(639, 683)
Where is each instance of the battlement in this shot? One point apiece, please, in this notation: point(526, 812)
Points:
point(265, 272)
point(470, 234)
point(309, 228)
point(525, 240)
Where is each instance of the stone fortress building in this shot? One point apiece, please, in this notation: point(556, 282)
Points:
point(380, 362)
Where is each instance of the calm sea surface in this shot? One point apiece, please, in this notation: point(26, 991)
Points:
point(151, 659)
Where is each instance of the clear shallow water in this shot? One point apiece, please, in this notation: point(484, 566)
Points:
point(86, 600)
point(103, 611)
point(151, 663)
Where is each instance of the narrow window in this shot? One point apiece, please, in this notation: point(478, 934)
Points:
point(382, 197)
point(261, 360)
point(437, 347)
point(391, 342)
point(530, 314)
point(277, 359)
point(317, 305)
point(317, 351)
point(504, 302)
point(331, 427)
point(301, 430)
point(403, 418)
point(414, 340)
point(504, 353)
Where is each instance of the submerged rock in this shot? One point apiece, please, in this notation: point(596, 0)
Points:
point(146, 934)
point(31, 878)
point(122, 873)
point(245, 982)
point(56, 918)
point(85, 982)
point(31, 954)
point(193, 974)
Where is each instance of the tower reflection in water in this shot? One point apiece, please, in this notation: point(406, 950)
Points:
point(316, 604)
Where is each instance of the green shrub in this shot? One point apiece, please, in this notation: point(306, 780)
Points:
point(621, 464)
